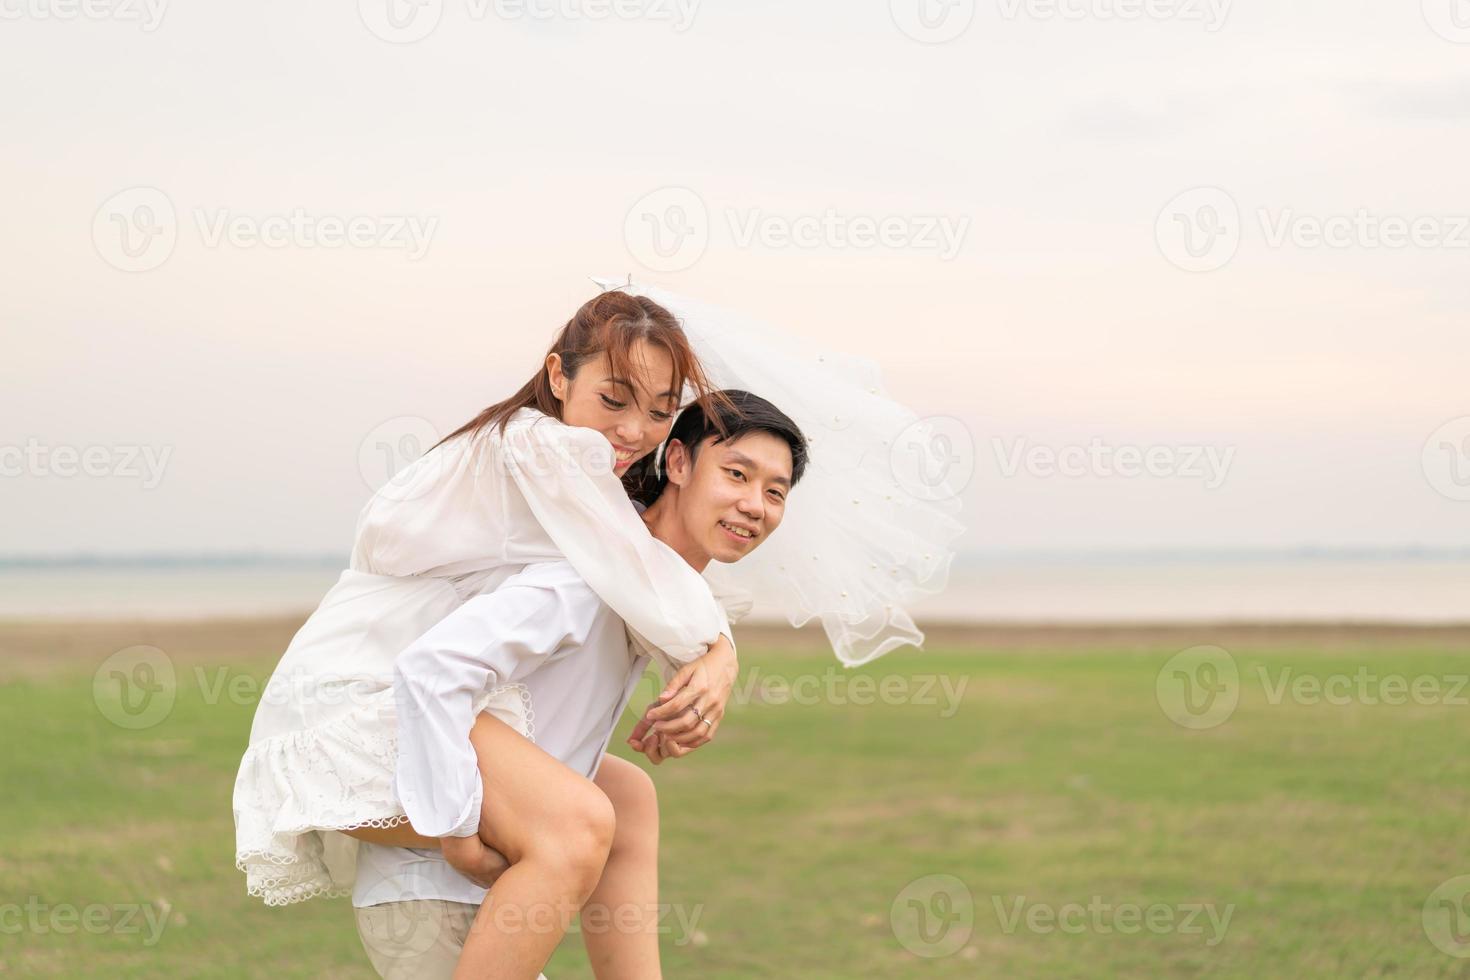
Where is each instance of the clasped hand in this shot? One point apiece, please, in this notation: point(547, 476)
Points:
point(688, 712)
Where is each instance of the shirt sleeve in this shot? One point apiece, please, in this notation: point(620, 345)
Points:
point(441, 514)
point(564, 472)
point(495, 638)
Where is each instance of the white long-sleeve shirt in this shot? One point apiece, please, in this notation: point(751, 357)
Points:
point(542, 491)
point(544, 628)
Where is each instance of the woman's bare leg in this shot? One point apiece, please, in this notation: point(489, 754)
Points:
point(402, 835)
point(490, 865)
point(556, 828)
point(620, 919)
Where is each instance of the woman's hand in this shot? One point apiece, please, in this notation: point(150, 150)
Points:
point(473, 858)
point(669, 728)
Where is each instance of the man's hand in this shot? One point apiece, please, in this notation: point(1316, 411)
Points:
point(670, 728)
point(653, 746)
point(474, 859)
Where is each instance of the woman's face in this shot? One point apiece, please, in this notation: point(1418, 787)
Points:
point(634, 414)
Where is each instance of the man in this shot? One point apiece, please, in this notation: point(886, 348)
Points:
point(545, 632)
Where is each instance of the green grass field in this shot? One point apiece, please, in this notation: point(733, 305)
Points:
point(1055, 824)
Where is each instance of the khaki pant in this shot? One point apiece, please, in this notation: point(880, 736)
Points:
point(418, 939)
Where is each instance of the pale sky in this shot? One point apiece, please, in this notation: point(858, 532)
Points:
point(520, 145)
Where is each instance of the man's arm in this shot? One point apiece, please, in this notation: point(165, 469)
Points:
point(493, 639)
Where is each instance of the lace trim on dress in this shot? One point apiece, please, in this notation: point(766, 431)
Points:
point(296, 786)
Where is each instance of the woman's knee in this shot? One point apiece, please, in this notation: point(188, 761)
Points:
point(594, 819)
point(631, 789)
point(577, 839)
point(635, 803)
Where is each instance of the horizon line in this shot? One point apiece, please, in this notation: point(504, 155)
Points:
point(234, 558)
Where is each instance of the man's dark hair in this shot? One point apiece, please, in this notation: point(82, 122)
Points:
point(738, 413)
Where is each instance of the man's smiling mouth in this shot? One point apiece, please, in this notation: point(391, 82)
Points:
point(744, 533)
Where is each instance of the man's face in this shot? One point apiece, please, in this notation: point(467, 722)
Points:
point(735, 495)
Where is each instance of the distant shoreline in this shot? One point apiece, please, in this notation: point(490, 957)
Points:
point(38, 648)
point(339, 560)
point(763, 632)
point(979, 591)
point(767, 627)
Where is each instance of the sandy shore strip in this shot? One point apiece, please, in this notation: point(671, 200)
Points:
point(40, 647)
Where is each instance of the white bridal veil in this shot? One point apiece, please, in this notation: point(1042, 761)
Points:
point(871, 525)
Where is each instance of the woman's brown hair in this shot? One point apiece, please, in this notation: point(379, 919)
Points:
point(610, 325)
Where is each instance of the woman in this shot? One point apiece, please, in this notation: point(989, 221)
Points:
point(499, 493)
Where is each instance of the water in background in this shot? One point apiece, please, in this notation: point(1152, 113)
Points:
point(1398, 587)
point(168, 590)
point(1183, 588)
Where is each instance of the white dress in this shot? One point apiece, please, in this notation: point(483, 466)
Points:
point(457, 522)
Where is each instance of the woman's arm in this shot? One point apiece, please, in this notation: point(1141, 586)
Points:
point(403, 835)
point(563, 473)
